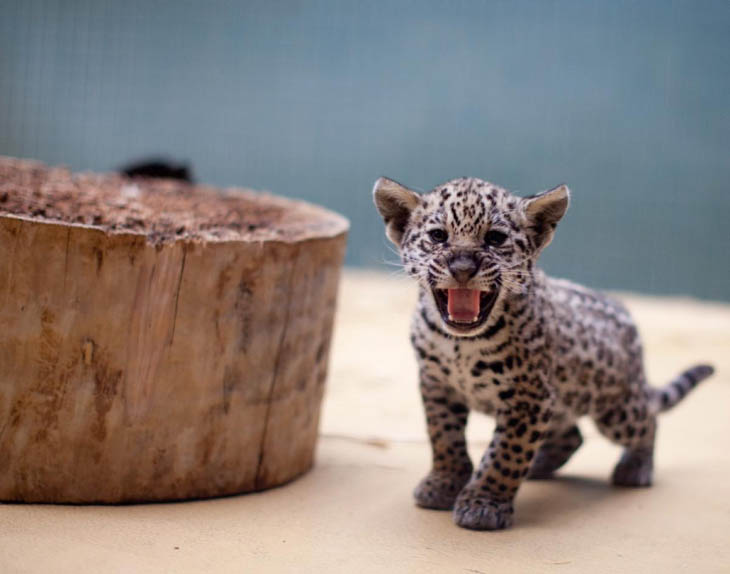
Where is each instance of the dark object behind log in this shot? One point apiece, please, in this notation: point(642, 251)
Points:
point(159, 168)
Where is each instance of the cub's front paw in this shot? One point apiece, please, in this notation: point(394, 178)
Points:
point(438, 490)
point(476, 511)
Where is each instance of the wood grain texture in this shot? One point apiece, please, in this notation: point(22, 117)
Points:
point(133, 371)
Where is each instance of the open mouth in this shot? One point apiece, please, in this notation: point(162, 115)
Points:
point(464, 309)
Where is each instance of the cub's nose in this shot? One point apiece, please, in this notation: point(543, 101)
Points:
point(463, 267)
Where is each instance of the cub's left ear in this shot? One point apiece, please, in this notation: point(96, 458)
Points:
point(395, 203)
point(544, 210)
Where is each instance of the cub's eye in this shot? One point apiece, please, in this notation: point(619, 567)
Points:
point(438, 235)
point(494, 238)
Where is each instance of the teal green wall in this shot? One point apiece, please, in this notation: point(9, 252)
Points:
point(626, 101)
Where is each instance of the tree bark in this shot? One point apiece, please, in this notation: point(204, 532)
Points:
point(142, 365)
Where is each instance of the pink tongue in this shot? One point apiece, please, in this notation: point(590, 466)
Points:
point(464, 305)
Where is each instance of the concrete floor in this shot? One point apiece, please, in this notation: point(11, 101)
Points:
point(353, 512)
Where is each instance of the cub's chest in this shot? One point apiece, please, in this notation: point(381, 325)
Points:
point(474, 372)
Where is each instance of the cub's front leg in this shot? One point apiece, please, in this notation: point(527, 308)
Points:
point(486, 502)
point(446, 414)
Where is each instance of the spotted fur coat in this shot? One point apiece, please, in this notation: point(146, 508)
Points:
point(494, 334)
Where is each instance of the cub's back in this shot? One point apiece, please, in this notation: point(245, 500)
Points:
point(595, 343)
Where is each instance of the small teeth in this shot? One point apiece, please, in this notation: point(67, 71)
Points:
point(473, 320)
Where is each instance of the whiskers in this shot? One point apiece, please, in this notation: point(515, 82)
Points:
point(512, 273)
point(437, 273)
point(511, 264)
point(399, 265)
point(515, 281)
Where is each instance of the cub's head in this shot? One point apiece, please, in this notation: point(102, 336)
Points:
point(468, 243)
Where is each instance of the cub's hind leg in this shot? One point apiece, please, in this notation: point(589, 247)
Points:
point(558, 447)
point(632, 426)
point(636, 467)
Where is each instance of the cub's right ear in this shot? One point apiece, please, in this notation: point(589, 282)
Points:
point(395, 203)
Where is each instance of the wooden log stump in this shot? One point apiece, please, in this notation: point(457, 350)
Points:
point(158, 341)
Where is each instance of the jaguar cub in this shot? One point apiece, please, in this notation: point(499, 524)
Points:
point(493, 333)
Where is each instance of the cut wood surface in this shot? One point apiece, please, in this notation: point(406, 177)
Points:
point(158, 340)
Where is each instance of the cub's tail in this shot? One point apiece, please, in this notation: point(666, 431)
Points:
point(664, 398)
